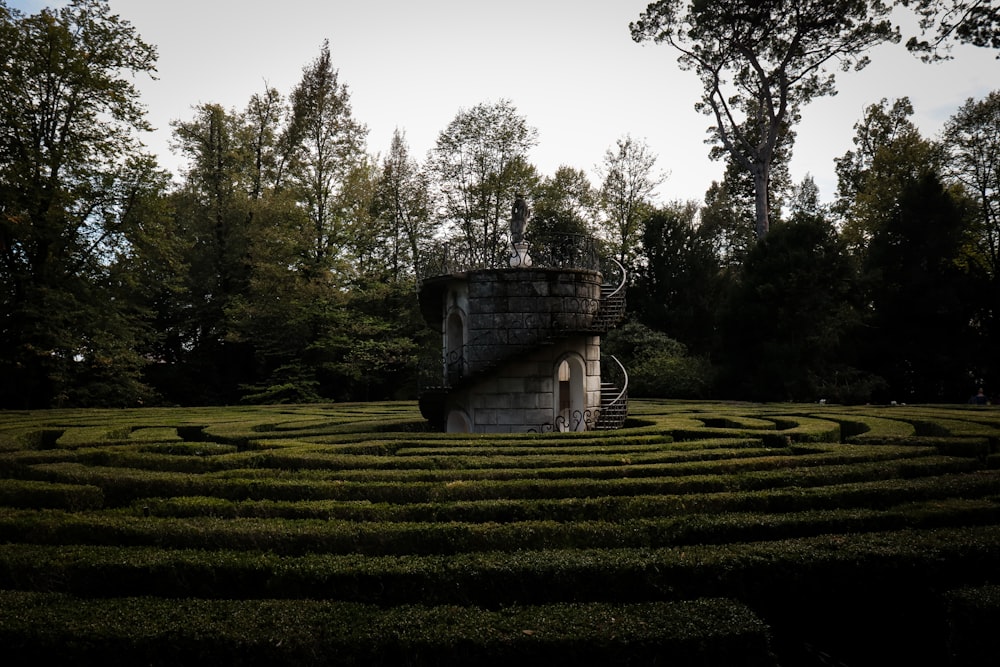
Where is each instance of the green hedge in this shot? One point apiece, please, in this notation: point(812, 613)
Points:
point(872, 495)
point(122, 486)
point(840, 527)
point(45, 628)
point(42, 495)
point(302, 536)
point(764, 572)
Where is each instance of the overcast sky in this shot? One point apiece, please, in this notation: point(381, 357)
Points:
point(570, 68)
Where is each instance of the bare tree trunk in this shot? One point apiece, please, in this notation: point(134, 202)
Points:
point(760, 181)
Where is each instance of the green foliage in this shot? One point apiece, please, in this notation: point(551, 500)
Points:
point(678, 284)
point(240, 632)
point(563, 204)
point(915, 273)
point(480, 164)
point(658, 366)
point(760, 64)
point(972, 612)
point(626, 195)
point(952, 21)
point(73, 182)
point(798, 289)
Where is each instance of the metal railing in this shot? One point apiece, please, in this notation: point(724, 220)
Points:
point(544, 251)
point(614, 411)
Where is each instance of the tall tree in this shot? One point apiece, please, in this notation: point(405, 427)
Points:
point(564, 203)
point(402, 203)
point(215, 210)
point(922, 296)
point(73, 177)
point(739, 182)
point(726, 225)
point(628, 185)
point(480, 163)
point(804, 200)
point(760, 62)
point(326, 143)
point(798, 288)
point(971, 138)
point(890, 154)
point(677, 286)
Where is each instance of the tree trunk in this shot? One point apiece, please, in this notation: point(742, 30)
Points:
point(760, 179)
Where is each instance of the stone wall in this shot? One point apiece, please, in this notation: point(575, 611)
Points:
point(521, 395)
point(505, 333)
point(512, 310)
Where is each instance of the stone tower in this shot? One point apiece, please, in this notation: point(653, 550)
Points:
point(521, 339)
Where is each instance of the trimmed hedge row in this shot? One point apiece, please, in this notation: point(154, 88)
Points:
point(43, 495)
point(39, 628)
point(199, 458)
point(122, 486)
point(872, 495)
point(302, 536)
point(765, 573)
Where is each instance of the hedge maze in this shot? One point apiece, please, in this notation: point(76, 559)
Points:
point(701, 534)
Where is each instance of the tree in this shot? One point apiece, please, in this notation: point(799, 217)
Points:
point(325, 144)
point(975, 22)
point(480, 163)
point(890, 154)
point(739, 182)
point(805, 199)
point(659, 366)
point(628, 183)
point(564, 203)
point(760, 62)
point(971, 138)
point(678, 283)
point(726, 225)
point(402, 204)
point(74, 184)
point(922, 296)
point(215, 210)
point(786, 326)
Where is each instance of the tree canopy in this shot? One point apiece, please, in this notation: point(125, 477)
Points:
point(761, 62)
point(946, 22)
point(282, 262)
point(73, 188)
point(481, 163)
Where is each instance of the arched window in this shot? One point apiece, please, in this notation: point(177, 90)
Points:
point(454, 350)
point(570, 397)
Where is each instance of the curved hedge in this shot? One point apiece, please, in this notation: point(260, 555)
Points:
point(348, 534)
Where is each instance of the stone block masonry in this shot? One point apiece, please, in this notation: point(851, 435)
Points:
point(528, 356)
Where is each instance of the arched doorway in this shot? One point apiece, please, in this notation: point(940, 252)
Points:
point(458, 422)
point(570, 396)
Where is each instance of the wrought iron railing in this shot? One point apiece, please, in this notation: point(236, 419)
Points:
point(612, 310)
point(614, 405)
point(545, 251)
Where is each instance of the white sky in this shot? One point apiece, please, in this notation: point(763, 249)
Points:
point(569, 66)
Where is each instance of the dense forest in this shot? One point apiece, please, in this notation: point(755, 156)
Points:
point(282, 264)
